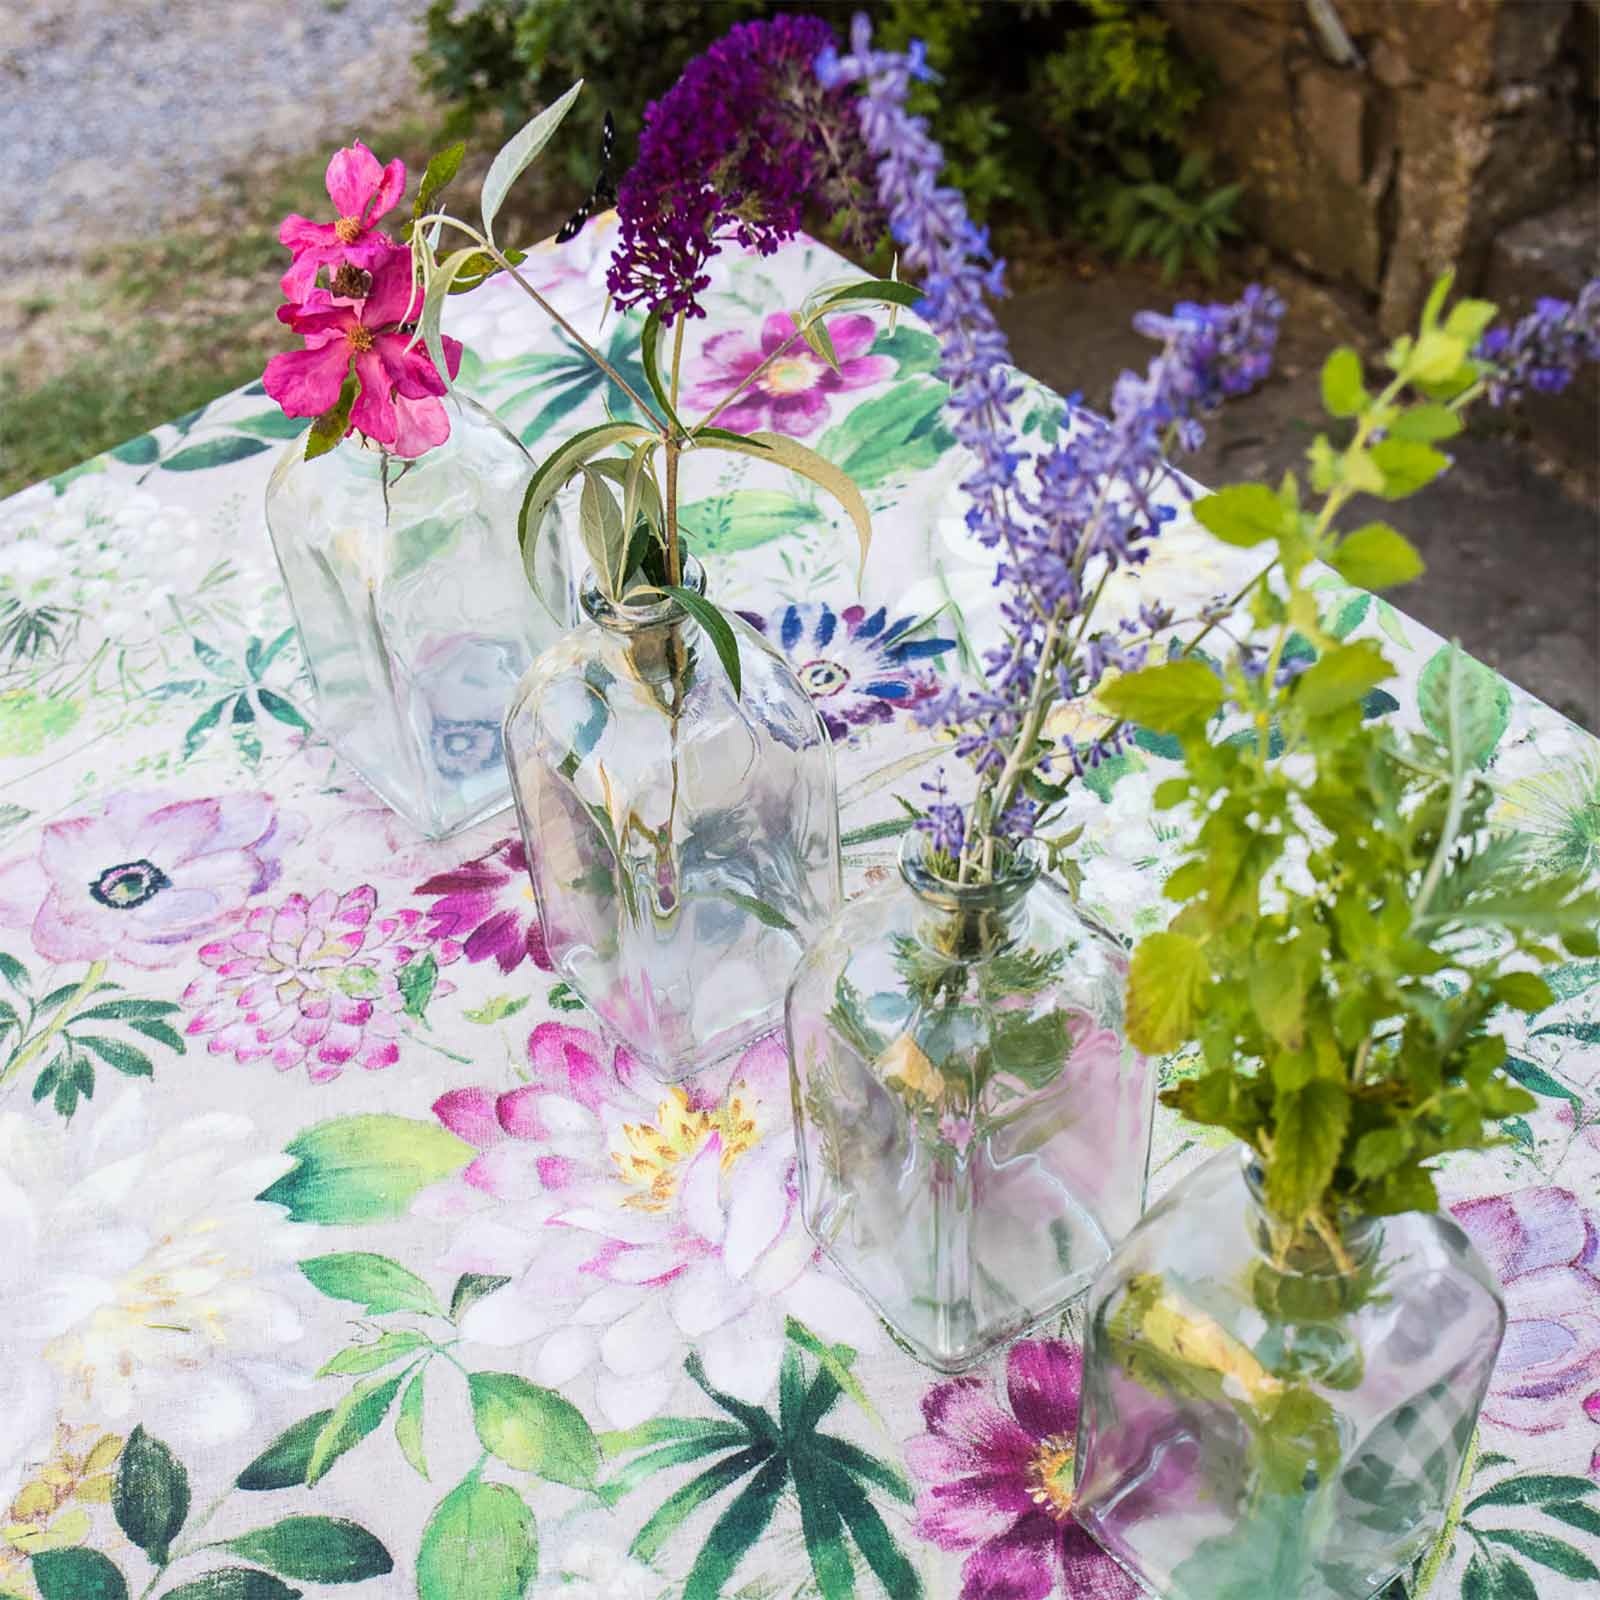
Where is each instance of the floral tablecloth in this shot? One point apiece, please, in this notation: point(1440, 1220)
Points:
point(336, 1248)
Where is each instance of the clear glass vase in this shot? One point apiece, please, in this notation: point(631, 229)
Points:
point(416, 619)
point(683, 840)
point(1268, 1413)
point(973, 1127)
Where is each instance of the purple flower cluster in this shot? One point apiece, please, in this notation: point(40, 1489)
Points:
point(738, 148)
point(1088, 505)
point(1543, 351)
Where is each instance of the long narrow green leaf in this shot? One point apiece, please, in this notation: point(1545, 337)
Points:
point(823, 1530)
point(859, 1464)
point(835, 1364)
point(873, 1539)
point(678, 1454)
point(678, 1506)
point(662, 1430)
point(716, 627)
point(553, 473)
point(648, 340)
point(444, 275)
point(519, 152)
point(876, 291)
point(757, 1420)
point(736, 1531)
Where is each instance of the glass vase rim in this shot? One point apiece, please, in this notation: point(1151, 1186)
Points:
point(620, 617)
point(1022, 869)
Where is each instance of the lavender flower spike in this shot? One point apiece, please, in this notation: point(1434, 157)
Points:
point(1543, 351)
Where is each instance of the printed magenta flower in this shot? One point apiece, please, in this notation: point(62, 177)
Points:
point(999, 1484)
point(398, 405)
point(362, 191)
point(143, 875)
point(1544, 1247)
point(319, 982)
point(791, 396)
point(486, 906)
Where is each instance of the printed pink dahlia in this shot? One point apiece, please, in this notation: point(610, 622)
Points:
point(142, 875)
point(319, 982)
point(362, 191)
point(792, 395)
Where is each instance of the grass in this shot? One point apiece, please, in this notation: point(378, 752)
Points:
point(143, 331)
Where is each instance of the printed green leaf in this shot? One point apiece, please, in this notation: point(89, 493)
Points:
point(835, 1360)
point(873, 1539)
point(717, 629)
point(1165, 980)
point(314, 1549)
point(272, 425)
point(1407, 466)
point(1343, 392)
point(1311, 1123)
point(356, 1415)
point(128, 1061)
point(137, 452)
point(895, 434)
point(479, 1544)
point(364, 1168)
point(416, 981)
point(234, 1583)
point(1376, 557)
point(1483, 710)
point(1342, 677)
point(283, 1463)
point(281, 710)
point(736, 1532)
point(77, 1574)
point(150, 1496)
point(1550, 1552)
point(408, 1425)
point(471, 1287)
point(519, 152)
point(214, 453)
point(1584, 1518)
point(1175, 697)
point(1532, 1489)
point(497, 1008)
point(361, 1359)
point(534, 1430)
point(746, 519)
point(373, 1281)
point(1244, 514)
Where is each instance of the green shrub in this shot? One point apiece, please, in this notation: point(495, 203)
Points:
point(1175, 223)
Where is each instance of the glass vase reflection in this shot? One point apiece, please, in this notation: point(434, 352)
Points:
point(415, 617)
point(973, 1127)
point(1278, 1414)
point(682, 838)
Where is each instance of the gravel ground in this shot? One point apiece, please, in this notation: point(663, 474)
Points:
point(117, 115)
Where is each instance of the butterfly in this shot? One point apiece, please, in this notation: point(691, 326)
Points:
point(604, 193)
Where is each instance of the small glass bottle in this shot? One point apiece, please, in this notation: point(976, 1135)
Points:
point(973, 1127)
point(1278, 1413)
point(682, 838)
point(415, 617)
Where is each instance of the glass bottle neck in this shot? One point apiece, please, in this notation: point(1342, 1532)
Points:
point(968, 921)
point(1348, 1243)
point(651, 633)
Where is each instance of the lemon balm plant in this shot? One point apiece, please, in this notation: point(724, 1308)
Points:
point(1295, 1324)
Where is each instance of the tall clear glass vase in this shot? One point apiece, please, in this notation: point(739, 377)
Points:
point(682, 837)
point(415, 617)
point(1272, 1413)
point(974, 1128)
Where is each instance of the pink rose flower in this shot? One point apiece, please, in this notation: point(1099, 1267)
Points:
point(313, 983)
point(1545, 1249)
point(398, 405)
point(143, 875)
point(362, 191)
point(791, 396)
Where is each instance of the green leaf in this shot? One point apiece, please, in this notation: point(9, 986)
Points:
point(649, 338)
point(1244, 514)
point(1584, 1518)
point(1483, 708)
point(364, 1168)
point(77, 1574)
point(744, 519)
point(556, 469)
point(281, 710)
point(736, 1532)
point(416, 981)
point(895, 434)
point(360, 1359)
point(1379, 1151)
point(471, 1287)
point(430, 322)
point(518, 153)
point(873, 1539)
point(272, 425)
point(1376, 557)
point(1532, 1489)
point(314, 1549)
point(1306, 1142)
point(439, 171)
point(1406, 465)
point(1550, 1552)
point(355, 1416)
point(372, 1281)
point(137, 452)
point(480, 1544)
point(1343, 392)
point(1426, 424)
point(1166, 979)
point(1526, 991)
point(123, 1057)
point(150, 1496)
point(408, 1425)
point(234, 1583)
point(717, 629)
point(1342, 677)
point(835, 1360)
point(214, 453)
point(822, 1529)
point(283, 1464)
point(679, 1505)
point(534, 1430)
point(497, 1008)
point(600, 526)
point(328, 429)
point(875, 291)
point(1176, 697)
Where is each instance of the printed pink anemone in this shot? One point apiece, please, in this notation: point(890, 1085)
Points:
point(792, 395)
point(398, 405)
point(362, 191)
point(320, 983)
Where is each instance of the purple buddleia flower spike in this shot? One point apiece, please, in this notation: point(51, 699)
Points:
point(1543, 351)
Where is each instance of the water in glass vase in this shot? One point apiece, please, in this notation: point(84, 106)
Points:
point(973, 1127)
point(1272, 1414)
point(682, 838)
point(416, 620)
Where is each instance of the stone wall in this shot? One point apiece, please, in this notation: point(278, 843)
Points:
point(1453, 120)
